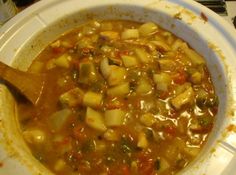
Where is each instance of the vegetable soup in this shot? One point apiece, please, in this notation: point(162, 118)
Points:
point(122, 98)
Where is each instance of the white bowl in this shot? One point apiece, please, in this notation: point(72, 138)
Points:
point(24, 36)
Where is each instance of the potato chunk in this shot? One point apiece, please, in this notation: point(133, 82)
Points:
point(95, 120)
point(119, 90)
point(129, 61)
point(92, 99)
point(147, 29)
point(187, 97)
point(72, 97)
point(130, 34)
point(114, 117)
point(117, 75)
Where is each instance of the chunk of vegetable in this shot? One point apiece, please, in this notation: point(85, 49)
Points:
point(119, 90)
point(187, 97)
point(142, 140)
point(55, 44)
point(192, 151)
point(167, 64)
point(92, 99)
point(110, 35)
point(129, 61)
point(87, 72)
point(196, 78)
point(58, 119)
point(161, 45)
point(106, 26)
point(144, 87)
point(111, 135)
point(130, 34)
point(162, 80)
point(181, 88)
point(117, 75)
point(147, 29)
point(50, 64)
point(177, 44)
point(34, 136)
point(114, 117)
point(95, 120)
point(164, 165)
point(59, 165)
point(63, 61)
point(195, 58)
point(105, 68)
point(142, 55)
point(36, 67)
point(147, 119)
point(72, 97)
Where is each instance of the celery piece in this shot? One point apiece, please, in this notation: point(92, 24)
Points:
point(87, 72)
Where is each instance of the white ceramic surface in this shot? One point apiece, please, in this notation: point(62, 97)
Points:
point(24, 36)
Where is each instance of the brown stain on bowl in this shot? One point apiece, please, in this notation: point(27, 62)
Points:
point(231, 128)
point(203, 17)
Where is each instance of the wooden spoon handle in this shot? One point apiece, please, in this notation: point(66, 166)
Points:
point(30, 85)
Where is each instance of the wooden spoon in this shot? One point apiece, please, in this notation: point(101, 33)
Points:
point(29, 84)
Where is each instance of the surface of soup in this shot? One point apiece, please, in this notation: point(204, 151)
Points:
point(121, 98)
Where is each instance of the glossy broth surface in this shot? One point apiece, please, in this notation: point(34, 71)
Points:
point(122, 98)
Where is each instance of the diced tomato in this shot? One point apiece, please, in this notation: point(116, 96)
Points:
point(66, 141)
point(114, 104)
point(58, 50)
point(180, 77)
point(86, 51)
point(145, 164)
point(78, 133)
point(125, 170)
point(163, 94)
point(123, 52)
point(170, 130)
